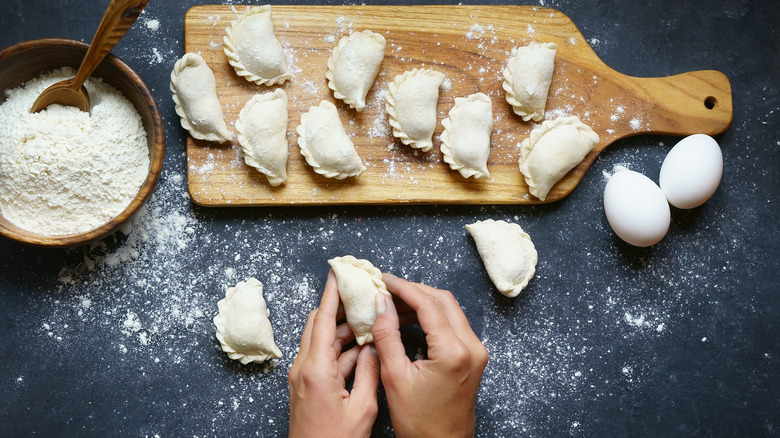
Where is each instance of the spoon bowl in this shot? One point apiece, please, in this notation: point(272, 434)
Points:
point(27, 60)
point(65, 92)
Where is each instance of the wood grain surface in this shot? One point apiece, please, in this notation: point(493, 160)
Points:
point(470, 45)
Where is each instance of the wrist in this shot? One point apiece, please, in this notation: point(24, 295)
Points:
point(432, 429)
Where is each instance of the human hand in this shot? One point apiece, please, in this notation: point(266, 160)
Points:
point(320, 404)
point(434, 396)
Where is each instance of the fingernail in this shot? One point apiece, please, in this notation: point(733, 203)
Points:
point(380, 303)
point(390, 276)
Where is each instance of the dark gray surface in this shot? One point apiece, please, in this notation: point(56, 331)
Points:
point(608, 340)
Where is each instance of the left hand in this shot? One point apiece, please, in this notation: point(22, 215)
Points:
point(320, 404)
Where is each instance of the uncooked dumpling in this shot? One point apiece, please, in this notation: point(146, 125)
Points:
point(243, 328)
point(195, 95)
point(353, 66)
point(527, 78)
point(325, 144)
point(262, 134)
point(411, 104)
point(358, 282)
point(253, 49)
point(552, 150)
point(507, 252)
point(465, 141)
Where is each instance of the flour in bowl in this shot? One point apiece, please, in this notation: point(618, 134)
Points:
point(64, 171)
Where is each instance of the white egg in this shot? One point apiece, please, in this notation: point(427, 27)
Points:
point(636, 208)
point(691, 171)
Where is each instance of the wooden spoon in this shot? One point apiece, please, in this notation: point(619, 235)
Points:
point(117, 20)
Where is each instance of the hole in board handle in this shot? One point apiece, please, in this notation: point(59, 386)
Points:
point(710, 102)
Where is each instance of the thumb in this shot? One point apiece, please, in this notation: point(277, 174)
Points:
point(387, 337)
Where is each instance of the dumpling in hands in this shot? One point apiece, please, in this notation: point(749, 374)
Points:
point(465, 141)
point(195, 95)
point(358, 282)
point(353, 66)
point(325, 145)
point(253, 49)
point(262, 134)
point(411, 104)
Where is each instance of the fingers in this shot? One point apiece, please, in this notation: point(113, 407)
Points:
point(454, 313)
point(449, 303)
point(323, 332)
point(344, 336)
point(366, 378)
point(451, 308)
point(430, 312)
point(304, 350)
point(306, 336)
point(347, 361)
point(364, 362)
point(435, 307)
point(387, 338)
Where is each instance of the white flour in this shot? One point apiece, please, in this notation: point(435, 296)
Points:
point(63, 171)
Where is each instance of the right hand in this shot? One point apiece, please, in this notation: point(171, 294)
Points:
point(434, 396)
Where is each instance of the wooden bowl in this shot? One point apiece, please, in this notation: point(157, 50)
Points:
point(27, 60)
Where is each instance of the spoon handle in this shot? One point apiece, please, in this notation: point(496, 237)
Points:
point(117, 20)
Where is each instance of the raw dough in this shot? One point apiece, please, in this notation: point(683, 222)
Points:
point(411, 104)
point(508, 253)
point(195, 95)
point(552, 150)
point(243, 328)
point(353, 66)
point(262, 134)
point(358, 282)
point(325, 144)
point(527, 78)
point(465, 141)
point(253, 49)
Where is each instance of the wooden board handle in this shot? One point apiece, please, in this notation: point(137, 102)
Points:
point(697, 102)
point(688, 103)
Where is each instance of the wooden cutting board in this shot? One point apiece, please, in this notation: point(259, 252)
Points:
point(470, 45)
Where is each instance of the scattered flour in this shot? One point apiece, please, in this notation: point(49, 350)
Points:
point(345, 24)
point(616, 168)
point(157, 57)
point(475, 32)
point(153, 24)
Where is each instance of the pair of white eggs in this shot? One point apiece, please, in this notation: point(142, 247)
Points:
point(638, 210)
